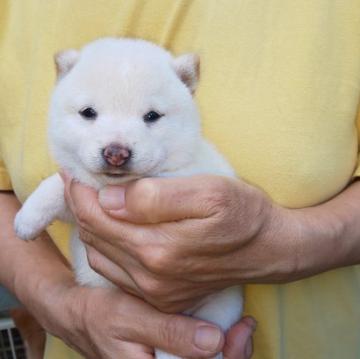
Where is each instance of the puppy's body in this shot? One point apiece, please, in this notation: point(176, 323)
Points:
point(121, 110)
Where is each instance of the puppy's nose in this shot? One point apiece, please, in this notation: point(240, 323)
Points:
point(116, 155)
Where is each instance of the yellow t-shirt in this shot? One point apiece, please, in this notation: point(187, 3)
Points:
point(279, 93)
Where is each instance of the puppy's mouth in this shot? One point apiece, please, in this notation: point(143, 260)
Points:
point(116, 175)
point(123, 175)
point(110, 172)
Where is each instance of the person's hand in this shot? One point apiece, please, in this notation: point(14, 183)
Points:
point(174, 241)
point(100, 323)
point(239, 338)
point(109, 323)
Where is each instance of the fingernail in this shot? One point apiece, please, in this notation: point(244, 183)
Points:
point(250, 322)
point(112, 197)
point(253, 325)
point(208, 338)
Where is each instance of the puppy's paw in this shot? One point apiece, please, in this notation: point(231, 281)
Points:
point(27, 226)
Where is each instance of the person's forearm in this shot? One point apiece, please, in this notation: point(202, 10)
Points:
point(28, 269)
point(327, 235)
point(84, 317)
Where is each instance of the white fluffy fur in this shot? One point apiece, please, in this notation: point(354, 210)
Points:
point(123, 79)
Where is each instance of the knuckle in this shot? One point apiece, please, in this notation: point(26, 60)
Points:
point(155, 259)
point(86, 237)
point(169, 331)
point(152, 287)
point(85, 216)
point(217, 196)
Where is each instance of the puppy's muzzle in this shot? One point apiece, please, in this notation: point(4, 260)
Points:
point(116, 155)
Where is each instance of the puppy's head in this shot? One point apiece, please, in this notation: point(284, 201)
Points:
point(123, 109)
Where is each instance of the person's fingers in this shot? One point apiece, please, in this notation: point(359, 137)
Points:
point(84, 204)
point(112, 262)
point(95, 246)
point(156, 200)
point(239, 340)
point(137, 281)
point(177, 334)
point(111, 271)
point(131, 351)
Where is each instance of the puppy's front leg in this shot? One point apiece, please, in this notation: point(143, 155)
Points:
point(44, 205)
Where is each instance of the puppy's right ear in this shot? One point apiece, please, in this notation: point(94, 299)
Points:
point(187, 68)
point(65, 61)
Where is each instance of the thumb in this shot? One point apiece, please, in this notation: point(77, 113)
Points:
point(156, 200)
point(177, 334)
point(239, 339)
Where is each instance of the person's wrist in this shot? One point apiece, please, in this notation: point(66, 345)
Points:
point(280, 234)
point(313, 235)
point(66, 311)
point(42, 292)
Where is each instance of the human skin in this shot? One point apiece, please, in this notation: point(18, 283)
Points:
point(100, 323)
point(173, 241)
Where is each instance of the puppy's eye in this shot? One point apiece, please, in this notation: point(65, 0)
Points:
point(88, 113)
point(152, 116)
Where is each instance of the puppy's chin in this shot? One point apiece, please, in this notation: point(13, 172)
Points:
point(115, 175)
point(118, 178)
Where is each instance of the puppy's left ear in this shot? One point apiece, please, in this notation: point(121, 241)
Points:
point(65, 61)
point(187, 68)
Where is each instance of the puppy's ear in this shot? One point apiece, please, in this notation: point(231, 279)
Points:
point(65, 61)
point(187, 68)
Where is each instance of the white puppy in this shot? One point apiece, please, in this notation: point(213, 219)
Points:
point(123, 109)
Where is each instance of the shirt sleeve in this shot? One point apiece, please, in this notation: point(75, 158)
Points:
point(5, 182)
